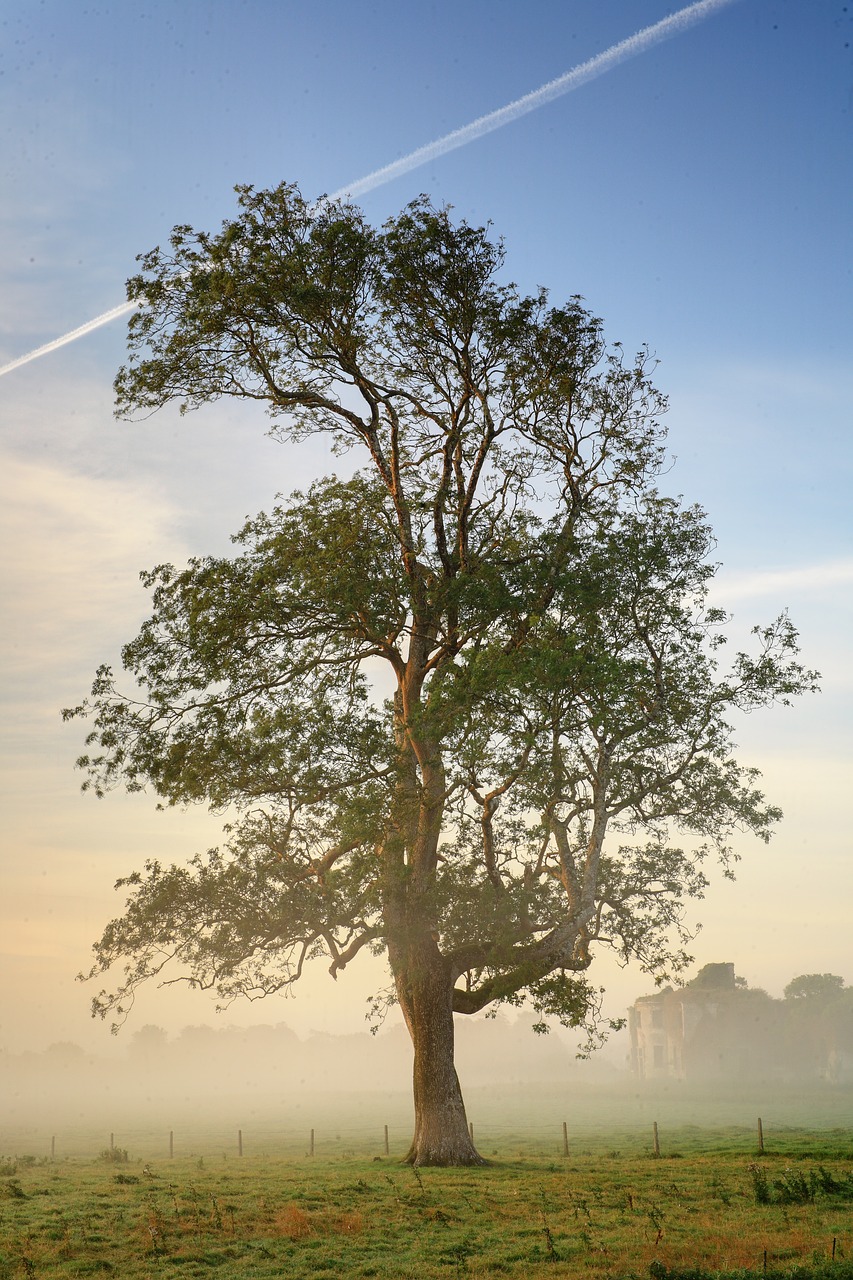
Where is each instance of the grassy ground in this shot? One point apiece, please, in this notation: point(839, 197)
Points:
point(703, 1208)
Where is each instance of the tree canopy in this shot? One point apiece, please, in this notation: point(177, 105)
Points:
point(817, 987)
point(465, 705)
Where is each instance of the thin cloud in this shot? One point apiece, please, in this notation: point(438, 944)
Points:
point(571, 80)
point(85, 538)
point(806, 578)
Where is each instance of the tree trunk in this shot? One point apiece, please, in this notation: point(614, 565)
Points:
point(441, 1133)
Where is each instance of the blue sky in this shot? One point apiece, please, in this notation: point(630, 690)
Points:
point(698, 196)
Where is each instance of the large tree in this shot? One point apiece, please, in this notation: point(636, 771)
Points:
point(463, 706)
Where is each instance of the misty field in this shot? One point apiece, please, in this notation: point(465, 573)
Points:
point(708, 1205)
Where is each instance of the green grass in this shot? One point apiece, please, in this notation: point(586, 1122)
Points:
point(611, 1213)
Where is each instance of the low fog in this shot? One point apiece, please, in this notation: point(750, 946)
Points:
point(712, 1053)
point(243, 1064)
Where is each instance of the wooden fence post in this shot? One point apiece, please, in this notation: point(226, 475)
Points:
point(112, 1142)
point(657, 1138)
point(239, 1142)
point(565, 1139)
point(171, 1144)
point(386, 1140)
point(760, 1137)
point(311, 1148)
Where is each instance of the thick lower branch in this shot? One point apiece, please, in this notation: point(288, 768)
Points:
point(567, 947)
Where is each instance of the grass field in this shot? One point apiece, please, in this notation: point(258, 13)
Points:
point(709, 1205)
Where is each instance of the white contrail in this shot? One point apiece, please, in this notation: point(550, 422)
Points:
point(579, 75)
point(88, 327)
